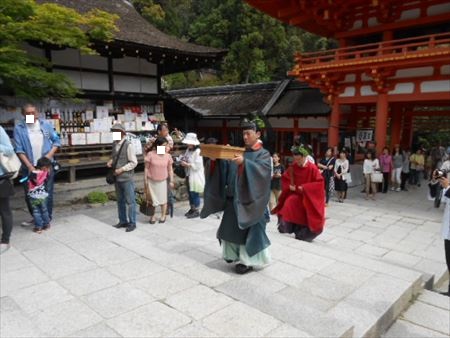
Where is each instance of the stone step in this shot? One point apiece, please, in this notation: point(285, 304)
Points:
point(349, 295)
point(428, 316)
point(377, 302)
point(420, 248)
point(308, 321)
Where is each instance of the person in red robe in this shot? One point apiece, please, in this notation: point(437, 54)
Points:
point(301, 206)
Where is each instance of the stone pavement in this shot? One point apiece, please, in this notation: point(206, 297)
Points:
point(84, 278)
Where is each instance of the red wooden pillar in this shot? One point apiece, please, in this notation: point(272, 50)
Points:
point(381, 121)
point(333, 129)
point(407, 131)
point(396, 126)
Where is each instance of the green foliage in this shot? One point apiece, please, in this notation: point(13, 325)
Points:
point(24, 20)
point(97, 197)
point(261, 48)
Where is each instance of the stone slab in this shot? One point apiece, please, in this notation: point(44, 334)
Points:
point(193, 330)
point(326, 288)
point(117, 300)
point(287, 310)
point(101, 330)
point(203, 274)
point(304, 297)
point(12, 260)
point(152, 320)
point(87, 282)
point(113, 256)
point(198, 302)
point(240, 320)
point(61, 320)
point(347, 273)
point(287, 331)
point(17, 324)
point(286, 273)
point(59, 265)
point(135, 269)
point(403, 328)
point(434, 299)
point(164, 284)
point(374, 306)
point(428, 316)
point(18, 279)
point(40, 296)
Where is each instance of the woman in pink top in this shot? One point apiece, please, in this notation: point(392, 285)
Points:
point(158, 168)
point(386, 168)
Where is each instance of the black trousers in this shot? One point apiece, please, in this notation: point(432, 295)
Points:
point(385, 182)
point(7, 219)
point(404, 178)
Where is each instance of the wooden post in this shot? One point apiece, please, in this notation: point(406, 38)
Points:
point(333, 129)
point(381, 121)
point(396, 126)
point(407, 130)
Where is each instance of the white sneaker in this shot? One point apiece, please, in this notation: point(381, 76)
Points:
point(27, 223)
point(4, 247)
point(398, 189)
point(393, 189)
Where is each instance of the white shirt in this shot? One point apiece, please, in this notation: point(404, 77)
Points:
point(446, 167)
point(344, 164)
point(36, 140)
point(370, 166)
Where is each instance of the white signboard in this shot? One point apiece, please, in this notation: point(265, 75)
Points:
point(364, 135)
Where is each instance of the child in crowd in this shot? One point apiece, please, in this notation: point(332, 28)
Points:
point(37, 193)
point(275, 185)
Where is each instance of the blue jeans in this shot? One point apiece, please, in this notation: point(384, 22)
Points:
point(49, 189)
point(126, 197)
point(40, 213)
point(194, 199)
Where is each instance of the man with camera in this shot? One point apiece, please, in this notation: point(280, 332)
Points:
point(440, 176)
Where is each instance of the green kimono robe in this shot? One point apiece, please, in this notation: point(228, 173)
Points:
point(242, 193)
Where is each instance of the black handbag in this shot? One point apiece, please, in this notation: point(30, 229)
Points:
point(110, 177)
point(179, 171)
point(147, 209)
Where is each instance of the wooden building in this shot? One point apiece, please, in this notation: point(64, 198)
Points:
point(126, 71)
point(124, 79)
point(289, 107)
point(392, 66)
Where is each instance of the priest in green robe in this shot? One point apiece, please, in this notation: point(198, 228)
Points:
point(241, 189)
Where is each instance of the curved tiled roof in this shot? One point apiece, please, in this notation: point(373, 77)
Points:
point(297, 99)
point(133, 28)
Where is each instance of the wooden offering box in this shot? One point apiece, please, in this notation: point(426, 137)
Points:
point(220, 152)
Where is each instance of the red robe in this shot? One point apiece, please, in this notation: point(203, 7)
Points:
point(305, 207)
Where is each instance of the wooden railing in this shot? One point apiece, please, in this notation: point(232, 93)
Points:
point(385, 48)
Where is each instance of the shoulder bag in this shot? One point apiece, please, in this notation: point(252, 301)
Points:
point(110, 177)
point(10, 164)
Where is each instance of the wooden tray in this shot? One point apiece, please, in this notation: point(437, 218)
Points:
point(220, 152)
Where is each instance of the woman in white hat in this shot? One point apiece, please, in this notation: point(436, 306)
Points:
point(195, 175)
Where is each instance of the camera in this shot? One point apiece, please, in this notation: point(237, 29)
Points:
point(439, 174)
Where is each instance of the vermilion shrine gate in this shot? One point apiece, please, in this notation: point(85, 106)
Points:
point(393, 62)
